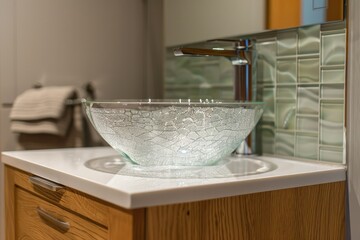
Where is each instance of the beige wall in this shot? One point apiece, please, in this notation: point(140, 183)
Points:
point(353, 117)
point(117, 45)
point(67, 42)
point(188, 21)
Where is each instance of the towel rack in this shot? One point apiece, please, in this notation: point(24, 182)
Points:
point(73, 102)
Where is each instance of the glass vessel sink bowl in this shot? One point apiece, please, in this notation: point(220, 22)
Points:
point(173, 133)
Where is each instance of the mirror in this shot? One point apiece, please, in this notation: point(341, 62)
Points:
point(189, 21)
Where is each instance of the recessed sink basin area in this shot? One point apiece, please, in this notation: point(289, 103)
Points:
point(232, 166)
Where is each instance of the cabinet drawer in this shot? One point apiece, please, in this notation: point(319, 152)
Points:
point(66, 197)
point(39, 219)
point(88, 217)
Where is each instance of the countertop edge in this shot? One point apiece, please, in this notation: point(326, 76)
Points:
point(80, 184)
point(182, 194)
point(237, 188)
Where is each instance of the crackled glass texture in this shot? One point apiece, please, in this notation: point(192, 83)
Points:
point(178, 134)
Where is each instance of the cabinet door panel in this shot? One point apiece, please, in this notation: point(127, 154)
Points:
point(66, 197)
point(32, 225)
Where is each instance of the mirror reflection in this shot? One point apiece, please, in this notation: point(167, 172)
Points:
point(189, 21)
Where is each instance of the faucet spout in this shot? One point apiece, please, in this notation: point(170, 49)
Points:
point(186, 51)
point(239, 55)
point(236, 57)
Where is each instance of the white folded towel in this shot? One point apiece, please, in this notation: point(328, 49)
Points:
point(42, 110)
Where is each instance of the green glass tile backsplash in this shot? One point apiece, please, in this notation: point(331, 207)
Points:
point(309, 95)
point(300, 74)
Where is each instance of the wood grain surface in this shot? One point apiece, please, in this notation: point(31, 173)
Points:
point(127, 225)
point(9, 204)
point(29, 224)
point(67, 197)
point(89, 218)
point(314, 212)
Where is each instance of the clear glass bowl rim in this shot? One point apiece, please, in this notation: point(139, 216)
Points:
point(170, 102)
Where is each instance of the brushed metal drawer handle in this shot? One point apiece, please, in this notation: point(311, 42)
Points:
point(63, 226)
point(41, 182)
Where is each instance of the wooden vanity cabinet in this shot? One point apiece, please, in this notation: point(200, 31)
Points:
point(40, 209)
point(44, 210)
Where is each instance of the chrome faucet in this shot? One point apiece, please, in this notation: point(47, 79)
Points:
point(240, 57)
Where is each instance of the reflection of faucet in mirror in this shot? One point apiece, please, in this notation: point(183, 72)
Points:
point(241, 58)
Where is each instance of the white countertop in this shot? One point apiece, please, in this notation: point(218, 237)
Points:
point(66, 166)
